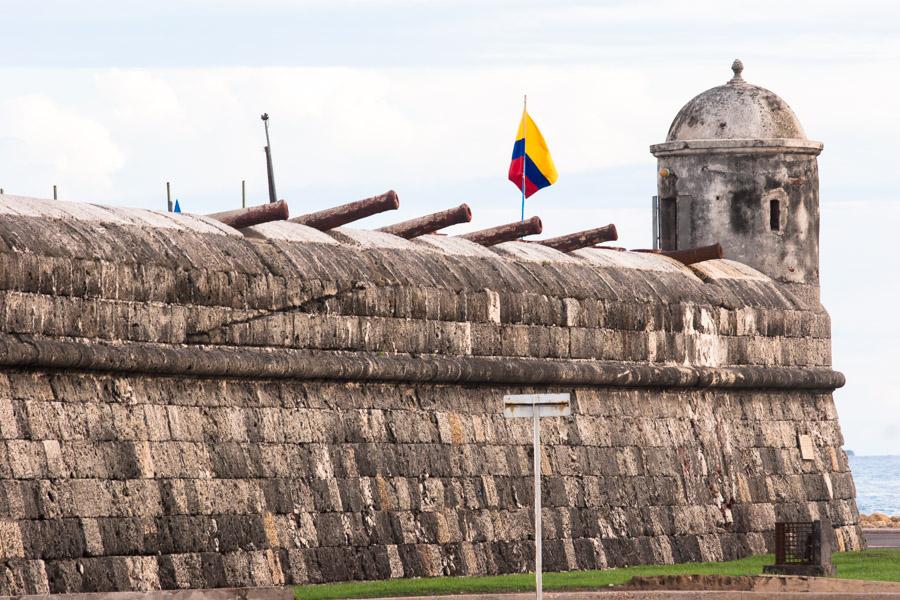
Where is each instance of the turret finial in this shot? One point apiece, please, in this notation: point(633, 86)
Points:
point(737, 67)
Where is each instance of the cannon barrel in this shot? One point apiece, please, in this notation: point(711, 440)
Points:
point(505, 233)
point(253, 215)
point(690, 256)
point(330, 218)
point(582, 239)
point(430, 223)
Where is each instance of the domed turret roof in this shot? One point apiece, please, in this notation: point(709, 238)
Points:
point(736, 111)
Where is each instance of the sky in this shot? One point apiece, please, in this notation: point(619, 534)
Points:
point(110, 100)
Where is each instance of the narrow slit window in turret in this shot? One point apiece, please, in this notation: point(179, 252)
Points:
point(775, 215)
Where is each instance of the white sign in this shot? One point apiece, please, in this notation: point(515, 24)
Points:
point(536, 406)
point(546, 405)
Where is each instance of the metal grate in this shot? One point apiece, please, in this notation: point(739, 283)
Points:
point(802, 548)
point(795, 543)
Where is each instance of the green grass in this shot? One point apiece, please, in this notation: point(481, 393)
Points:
point(881, 565)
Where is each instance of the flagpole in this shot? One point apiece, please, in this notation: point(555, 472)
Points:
point(524, 149)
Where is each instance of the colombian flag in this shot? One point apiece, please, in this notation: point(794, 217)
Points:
point(530, 151)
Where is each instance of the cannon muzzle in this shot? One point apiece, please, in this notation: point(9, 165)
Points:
point(253, 215)
point(582, 239)
point(505, 233)
point(690, 256)
point(430, 223)
point(330, 218)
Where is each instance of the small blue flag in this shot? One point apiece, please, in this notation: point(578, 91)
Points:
point(177, 206)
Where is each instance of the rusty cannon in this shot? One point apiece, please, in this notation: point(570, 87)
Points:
point(689, 256)
point(582, 239)
point(331, 218)
point(413, 228)
point(505, 233)
point(253, 215)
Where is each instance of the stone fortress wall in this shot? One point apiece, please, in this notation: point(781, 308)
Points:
point(186, 405)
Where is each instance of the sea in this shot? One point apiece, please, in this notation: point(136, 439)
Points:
point(877, 480)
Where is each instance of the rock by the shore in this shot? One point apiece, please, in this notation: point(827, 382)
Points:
point(878, 520)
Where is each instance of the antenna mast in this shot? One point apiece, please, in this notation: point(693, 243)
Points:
point(273, 197)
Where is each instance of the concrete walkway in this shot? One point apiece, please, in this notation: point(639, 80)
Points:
point(778, 588)
point(714, 587)
point(670, 595)
point(882, 538)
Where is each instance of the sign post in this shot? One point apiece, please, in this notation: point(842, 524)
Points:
point(536, 406)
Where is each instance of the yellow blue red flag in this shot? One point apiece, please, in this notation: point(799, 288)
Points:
point(531, 154)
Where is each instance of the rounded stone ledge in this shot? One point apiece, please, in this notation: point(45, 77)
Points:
point(38, 208)
point(638, 261)
point(365, 238)
point(35, 351)
point(532, 252)
point(196, 244)
point(452, 245)
point(289, 232)
point(770, 378)
point(737, 146)
point(722, 269)
point(200, 223)
point(179, 221)
point(24, 206)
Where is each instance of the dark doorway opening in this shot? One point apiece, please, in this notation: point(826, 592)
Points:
point(775, 215)
point(668, 224)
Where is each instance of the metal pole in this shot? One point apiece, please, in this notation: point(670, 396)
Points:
point(54, 191)
point(243, 193)
point(169, 197)
point(524, 148)
point(548, 405)
point(270, 170)
point(538, 581)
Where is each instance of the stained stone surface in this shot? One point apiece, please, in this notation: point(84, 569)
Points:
point(182, 406)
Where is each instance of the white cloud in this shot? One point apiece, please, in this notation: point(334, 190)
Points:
point(438, 124)
point(140, 99)
point(42, 143)
point(356, 127)
point(330, 126)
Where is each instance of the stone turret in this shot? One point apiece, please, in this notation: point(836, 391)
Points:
point(736, 168)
